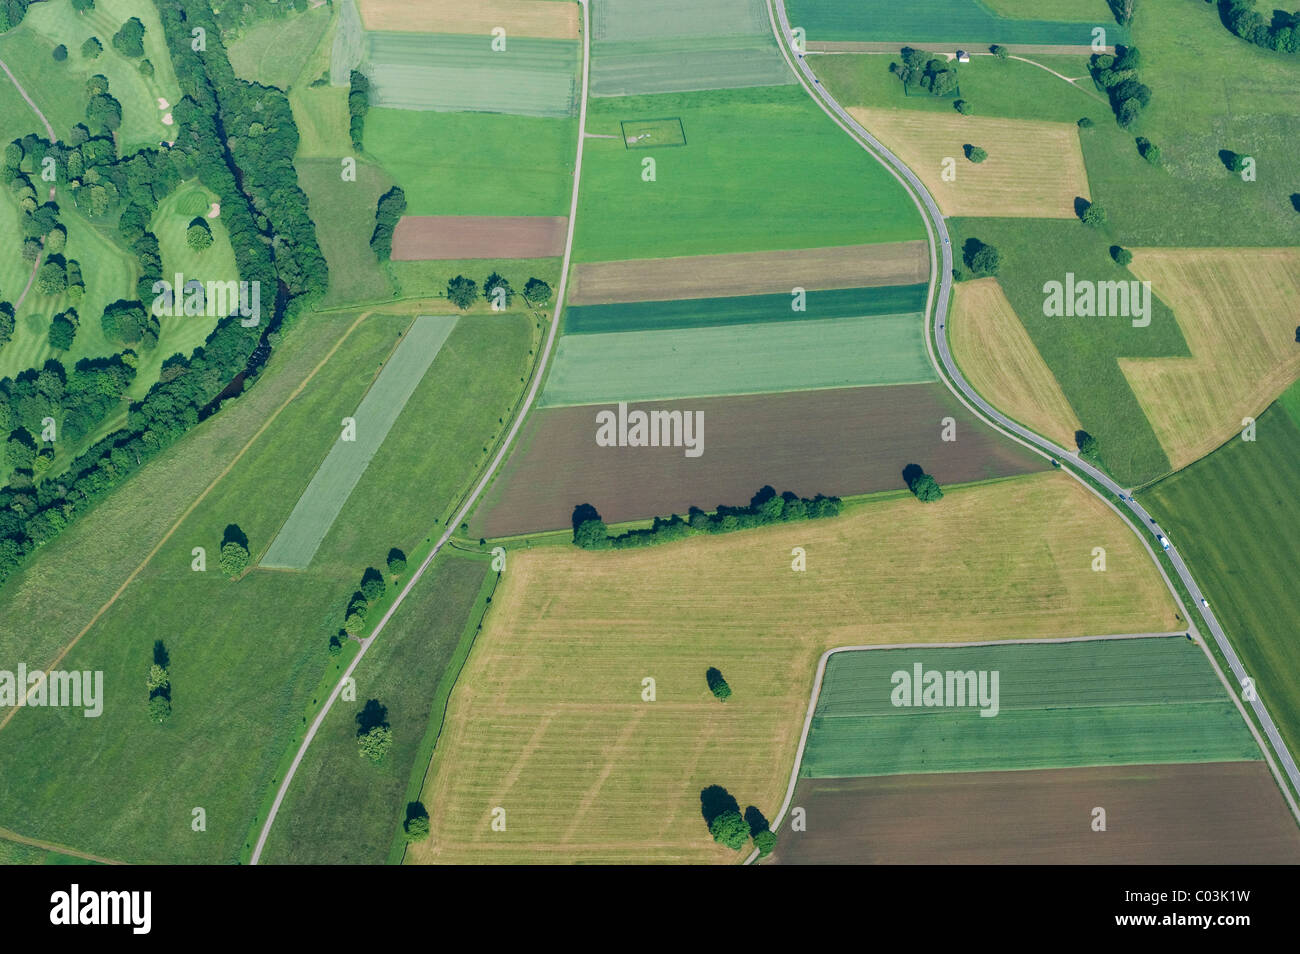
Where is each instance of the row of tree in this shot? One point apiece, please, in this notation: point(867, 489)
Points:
point(1282, 33)
point(1118, 75)
point(463, 292)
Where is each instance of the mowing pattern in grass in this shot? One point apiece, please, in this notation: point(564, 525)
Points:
point(532, 77)
point(1236, 519)
point(1120, 702)
point(296, 543)
point(764, 169)
point(341, 808)
point(745, 309)
point(938, 21)
point(738, 359)
point(273, 52)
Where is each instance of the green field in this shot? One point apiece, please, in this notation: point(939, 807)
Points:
point(738, 359)
point(1113, 702)
point(476, 164)
point(764, 169)
point(273, 52)
point(635, 20)
point(430, 278)
point(341, 808)
point(1081, 352)
point(649, 133)
point(744, 309)
point(940, 21)
point(676, 65)
point(332, 484)
point(337, 207)
point(1236, 520)
point(448, 72)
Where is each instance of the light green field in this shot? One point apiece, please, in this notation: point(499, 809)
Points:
point(764, 169)
point(344, 214)
point(674, 66)
point(427, 71)
point(274, 52)
point(948, 21)
point(59, 88)
point(479, 164)
point(634, 20)
point(341, 808)
point(321, 113)
point(314, 514)
point(738, 359)
point(1112, 702)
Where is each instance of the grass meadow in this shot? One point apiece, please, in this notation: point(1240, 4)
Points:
point(274, 52)
point(344, 214)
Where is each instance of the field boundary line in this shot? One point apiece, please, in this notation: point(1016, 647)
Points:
point(188, 511)
point(488, 472)
point(825, 658)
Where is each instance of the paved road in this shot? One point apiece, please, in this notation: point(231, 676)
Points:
point(487, 474)
point(1122, 497)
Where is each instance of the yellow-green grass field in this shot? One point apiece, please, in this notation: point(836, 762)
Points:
point(1034, 169)
point(518, 17)
point(274, 52)
point(1239, 309)
point(321, 112)
point(344, 214)
point(999, 359)
point(548, 721)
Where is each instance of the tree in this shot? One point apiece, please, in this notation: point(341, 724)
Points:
point(198, 236)
point(730, 829)
point(355, 624)
point(462, 291)
point(387, 213)
point(146, 68)
point(396, 562)
point(591, 534)
point(62, 331)
point(922, 485)
point(765, 841)
point(52, 279)
point(537, 292)
point(82, 6)
point(158, 679)
point(358, 106)
point(91, 49)
point(492, 283)
point(1123, 11)
point(1094, 215)
point(717, 685)
point(975, 153)
point(103, 113)
point(374, 743)
point(1148, 150)
point(60, 53)
point(416, 827)
point(129, 40)
point(1001, 52)
point(234, 558)
point(981, 258)
point(20, 450)
point(1121, 255)
point(963, 107)
point(372, 584)
point(1088, 446)
point(160, 708)
point(1085, 122)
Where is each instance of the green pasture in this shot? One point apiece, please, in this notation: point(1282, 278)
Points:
point(675, 65)
point(763, 169)
point(1236, 520)
point(941, 21)
point(476, 163)
point(738, 359)
point(332, 484)
point(1111, 702)
point(341, 808)
point(451, 72)
point(274, 52)
point(635, 20)
point(344, 213)
point(744, 309)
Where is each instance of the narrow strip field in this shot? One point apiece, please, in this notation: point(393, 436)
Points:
point(313, 515)
point(1210, 813)
point(839, 441)
point(550, 703)
point(750, 273)
point(517, 17)
point(440, 237)
point(738, 359)
point(745, 309)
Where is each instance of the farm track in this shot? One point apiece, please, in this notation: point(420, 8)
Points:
point(941, 356)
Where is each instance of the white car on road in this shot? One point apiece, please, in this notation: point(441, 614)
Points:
point(1163, 542)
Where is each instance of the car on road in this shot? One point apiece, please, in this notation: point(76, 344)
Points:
point(1163, 542)
point(1205, 603)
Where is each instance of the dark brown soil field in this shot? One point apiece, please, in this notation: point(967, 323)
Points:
point(420, 238)
point(750, 273)
point(1208, 813)
point(840, 441)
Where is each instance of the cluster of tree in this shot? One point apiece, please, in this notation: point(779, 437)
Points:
point(159, 684)
point(354, 619)
point(1123, 10)
point(981, 258)
point(1090, 213)
point(1087, 444)
point(729, 827)
point(922, 485)
point(91, 48)
point(63, 329)
point(1118, 75)
point(462, 291)
point(1281, 34)
point(103, 111)
point(766, 507)
point(7, 323)
point(1149, 150)
point(12, 13)
point(374, 735)
point(234, 18)
point(999, 51)
point(129, 39)
point(387, 213)
point(920, 70)
point(358, 106)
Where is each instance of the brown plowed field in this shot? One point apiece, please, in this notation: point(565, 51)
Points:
point(750, 273)
point(1207, 813)
point(839, 441)
point(519, 17)
point(422, 238)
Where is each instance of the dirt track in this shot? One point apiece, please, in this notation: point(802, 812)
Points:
point(1211, 813)
point(420, 238)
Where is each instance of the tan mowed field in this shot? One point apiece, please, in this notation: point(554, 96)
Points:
point(548, 723)
point(1238, 308)
point(518, 17)
point(1034, 169)
point(1001, 362)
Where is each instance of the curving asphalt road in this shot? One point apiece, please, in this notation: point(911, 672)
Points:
point(939, 343)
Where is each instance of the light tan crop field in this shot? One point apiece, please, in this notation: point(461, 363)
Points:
point(1033, 169)
point(750, 273)
point(1238, 308)
point(518, 17)
point(548, 722)
point(1001, 362)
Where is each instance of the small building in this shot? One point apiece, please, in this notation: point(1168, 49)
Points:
point(963, 56)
